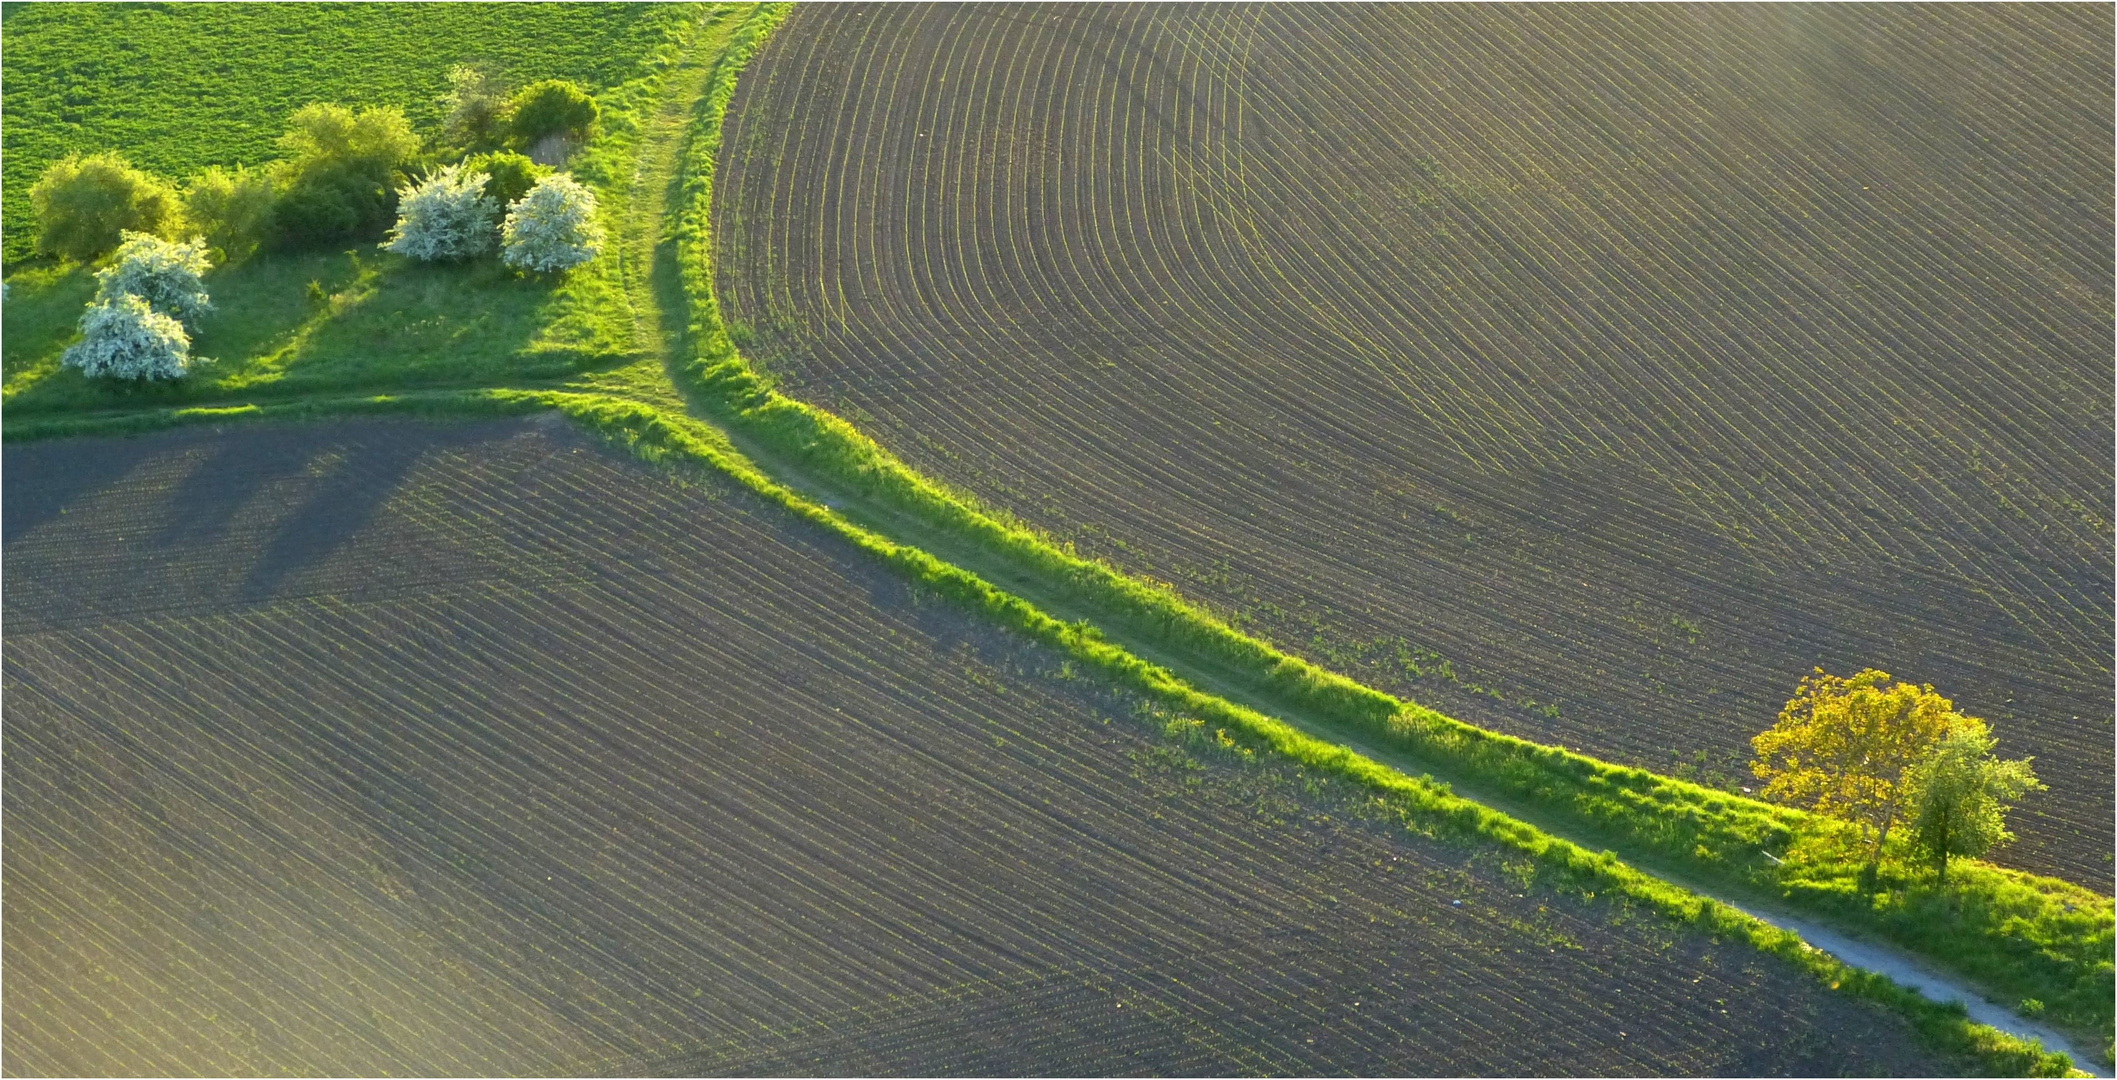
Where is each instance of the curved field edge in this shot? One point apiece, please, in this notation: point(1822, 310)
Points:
point(2019, 934)
point(723, 384)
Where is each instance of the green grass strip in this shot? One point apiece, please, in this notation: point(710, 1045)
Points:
point(454, 403)
point(2020, 935)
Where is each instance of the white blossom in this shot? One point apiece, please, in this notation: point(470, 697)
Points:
point(446, 216)
point(164, 274)
point(553, 227)
point(127, 339)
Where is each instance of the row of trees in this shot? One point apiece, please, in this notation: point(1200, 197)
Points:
point(339, 176)
point(1884, 754)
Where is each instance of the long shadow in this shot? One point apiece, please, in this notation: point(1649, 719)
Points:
point(346, 500)
point(211, 494)
point(44, 480)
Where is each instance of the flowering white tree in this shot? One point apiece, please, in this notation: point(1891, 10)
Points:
point(163, 274)
point(445, 216)
point(553, 227)
point(127, 339)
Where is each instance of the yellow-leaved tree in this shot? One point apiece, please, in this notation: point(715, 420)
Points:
point(1845, 747)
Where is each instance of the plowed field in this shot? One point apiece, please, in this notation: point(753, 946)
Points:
point(1587, 372)
point(383, 747)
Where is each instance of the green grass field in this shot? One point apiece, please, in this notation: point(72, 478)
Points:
point(289, 324)
point(177, 87)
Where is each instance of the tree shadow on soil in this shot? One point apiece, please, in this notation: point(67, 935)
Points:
point(346, 497)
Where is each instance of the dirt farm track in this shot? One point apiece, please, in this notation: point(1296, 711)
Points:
point(381, 747)
point(1587, 372)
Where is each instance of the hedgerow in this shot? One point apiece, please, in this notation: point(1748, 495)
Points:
point(72, 84)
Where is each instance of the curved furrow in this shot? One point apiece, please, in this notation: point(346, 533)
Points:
point(1632, 360)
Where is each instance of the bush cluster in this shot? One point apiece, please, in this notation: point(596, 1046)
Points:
point(146, 303)
point(346, 174)
point(341, 178)
point(85, 203)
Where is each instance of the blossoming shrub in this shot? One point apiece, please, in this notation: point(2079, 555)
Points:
point(163, 274)
point(128, 339)
point(446, 216)
point(552, 228)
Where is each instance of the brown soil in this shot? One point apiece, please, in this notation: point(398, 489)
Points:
point(372, 748)
point(1588, 372)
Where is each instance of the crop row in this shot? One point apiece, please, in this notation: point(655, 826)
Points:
point(1630, 365)
point(657, 770)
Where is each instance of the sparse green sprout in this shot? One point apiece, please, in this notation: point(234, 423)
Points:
point(446, 216)
point(163, 274)
point(231, 210)
point(127, 339)
point(1959, 795)
point(85, 204)
point(552, 228)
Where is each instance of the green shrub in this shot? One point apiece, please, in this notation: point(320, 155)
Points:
point(341, 173)
point(232, 211)
point(474, 109)
point(83, 204)
point(511, 175)
point(552, 107)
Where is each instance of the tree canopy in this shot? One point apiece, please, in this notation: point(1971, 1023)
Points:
point(1959, 795)
point(1844, 746)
